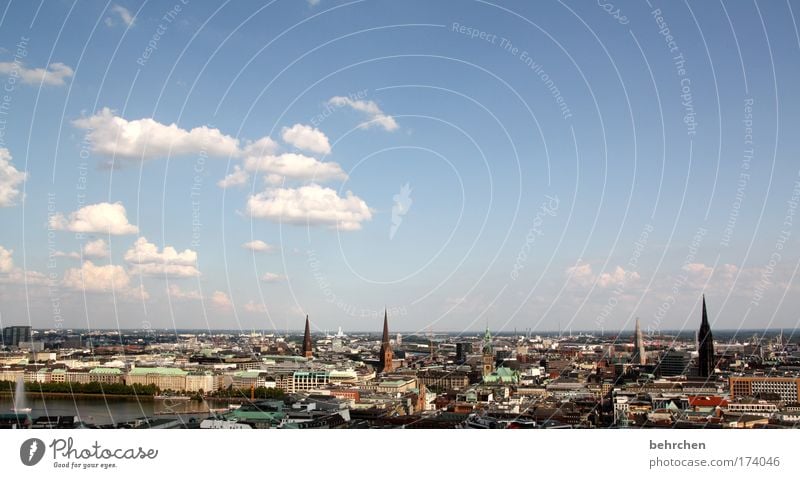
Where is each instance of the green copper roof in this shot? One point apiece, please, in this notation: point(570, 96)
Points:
point(105, 371)
point(158, 371)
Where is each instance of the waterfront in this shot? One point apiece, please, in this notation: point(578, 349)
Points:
point(108, 410)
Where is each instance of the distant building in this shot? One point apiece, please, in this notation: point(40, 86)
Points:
point(443, 379)
point(750, 386)
point(462, 350)
point(165, 378)
point(15, 334)
point(105, 375)
point(705, 346)
point(674, 363)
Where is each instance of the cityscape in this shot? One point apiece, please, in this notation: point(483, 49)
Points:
point(229, 380)
point(246, 217)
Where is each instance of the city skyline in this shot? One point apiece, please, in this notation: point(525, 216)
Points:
point(193, 167)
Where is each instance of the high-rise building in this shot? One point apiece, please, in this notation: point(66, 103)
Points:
point(639, 356)
point(487, 359)
point(386, 355)
point(705, 346)
point(462, 349)
point(308, 350)
point(15, 334)
point(674, 363)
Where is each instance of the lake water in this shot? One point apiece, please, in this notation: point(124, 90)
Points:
point(101, 411)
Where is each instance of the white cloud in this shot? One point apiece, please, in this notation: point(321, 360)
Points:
point(258, 246)
point(619, 276)
point(102, 279)
point(53, 75)
point(11, 274)
point(724, 276)
point(146, 138)
point(583, 275)
point(123, 13)
point(10, 180)
point(177, 293)
point(97, 249)
point(101, 218)
point(255, 307)
point(306, 138)
point(263, 146)
point(238, 177)
point(145, 259)
point(294, 166)
point(376, 117)
point(6, 260)
point(221, 300)
point(312, 204)
point(271, 277)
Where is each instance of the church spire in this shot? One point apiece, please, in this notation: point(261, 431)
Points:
point(639, 357)
point(705, 346)
point(386, 363)
point(308, 351)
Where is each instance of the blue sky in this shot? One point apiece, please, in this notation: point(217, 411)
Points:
point(554, 174)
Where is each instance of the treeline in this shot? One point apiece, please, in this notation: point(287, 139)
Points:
point(88, 388)
point(259, 393)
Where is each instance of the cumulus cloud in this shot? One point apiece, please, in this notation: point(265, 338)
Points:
point(312, 205)
point(221, 300)
point(144, 258)
point(619, 276)
point(10, 180)
point(6, 260)
point(122, 14)
point(699, 276)
point(11, 274)
point(376, 117)
point(307, 138)
point(258, 246)
point(261, 147)
point(294, 166)
point(177, 293)
point(582, 274)
point(255, 307)
point(238, 177)
point(97, 249)
point(102, 279)
point(101, 218)
point(146, 138)
point(270, 277)
point(53, 75)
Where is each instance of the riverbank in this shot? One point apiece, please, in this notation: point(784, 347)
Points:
point(61, 395)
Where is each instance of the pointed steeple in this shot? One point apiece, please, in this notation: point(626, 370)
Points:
point(639, 356)
point(385, 339)
point(487, 357)
point(487, 342)
point(386, 363)
point(705, 314)
point(308, 350)
point(705, 346)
